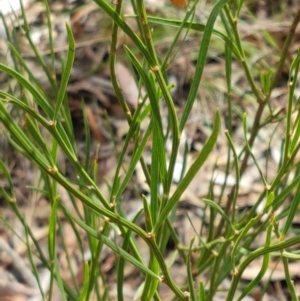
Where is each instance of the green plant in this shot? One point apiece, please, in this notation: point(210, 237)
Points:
point(225, 250)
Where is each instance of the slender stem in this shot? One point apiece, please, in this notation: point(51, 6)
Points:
point(233, 23)
point(285, 48)
point(112, 57)
point(156, 69)
point(261, 101)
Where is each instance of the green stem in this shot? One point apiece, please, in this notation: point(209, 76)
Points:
point(112, 62)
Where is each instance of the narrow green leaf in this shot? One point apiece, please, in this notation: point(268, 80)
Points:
point(242, 234)
point(293, 82)
point(59, 280)
point(49, 73)
point(21, 139)
point(289, 281)
point(50, 35)
point(217, 207)
point(247, 290)
point(87, 136)
point(195, 26)
point(290, 255)
point(126, 28)
point(66, 72)
point(112, 246)
point(190, 278)
point(121, 261)
point(17, 56)
point(148, 215)
point(201, 292)
point(39, 98)
point(5, 174)
point(150, 284)
point(292, 212)
point(190, 14)
point(138, 117)
point(201, 61)
point(270, 200)
point(32, 261)
point(207, 148)
point(267, 186)
point(134, 160)
point(156, 158)
point(52, 230)
point(52, 244)
point(236, 166)
point(84, 291)
point(278, 246)
point(285, 193)
point(150, 87)
point(295, 137)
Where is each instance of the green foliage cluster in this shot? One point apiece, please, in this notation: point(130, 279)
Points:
point(225, 252)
